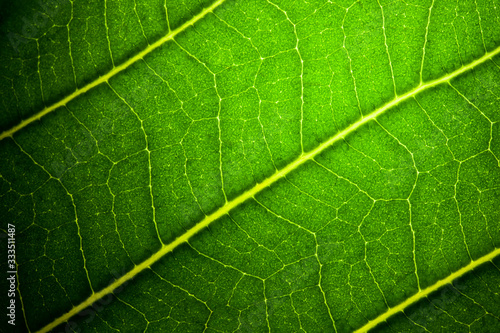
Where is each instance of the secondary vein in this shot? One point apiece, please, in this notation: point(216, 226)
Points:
point(427, 291)
point(150, 48)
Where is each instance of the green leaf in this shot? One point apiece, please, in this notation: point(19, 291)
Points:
point(251, 166)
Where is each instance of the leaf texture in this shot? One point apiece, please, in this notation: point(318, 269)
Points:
point(252, 166)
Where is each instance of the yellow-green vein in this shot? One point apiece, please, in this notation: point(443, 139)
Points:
point(427, 291)
point(150, 48)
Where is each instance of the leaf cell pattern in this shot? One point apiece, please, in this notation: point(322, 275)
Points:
point(338, 158)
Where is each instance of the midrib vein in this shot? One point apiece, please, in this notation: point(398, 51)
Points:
point(228, 206)
point(427, 291)
point(150, 48)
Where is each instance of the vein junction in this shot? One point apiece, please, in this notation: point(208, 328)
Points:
point(279, 174)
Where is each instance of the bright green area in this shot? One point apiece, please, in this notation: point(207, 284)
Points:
point(99, 184)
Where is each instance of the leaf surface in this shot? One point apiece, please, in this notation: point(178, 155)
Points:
point(252, 166)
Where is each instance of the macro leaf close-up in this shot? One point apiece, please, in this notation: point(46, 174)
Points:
point(250, 166)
